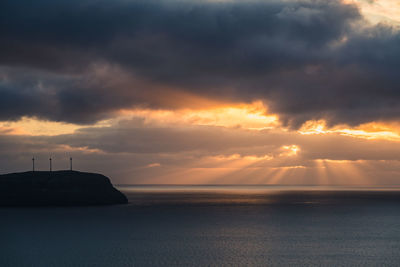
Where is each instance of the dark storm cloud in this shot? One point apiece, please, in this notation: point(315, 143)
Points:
point(78, 98)
point(145, 34)
point(288, 53)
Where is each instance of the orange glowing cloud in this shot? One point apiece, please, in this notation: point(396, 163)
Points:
point(372, 130)
point(261, 150)
point(252, 116)
point(35, 127)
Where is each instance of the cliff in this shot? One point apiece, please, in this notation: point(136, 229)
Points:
point(57, 188)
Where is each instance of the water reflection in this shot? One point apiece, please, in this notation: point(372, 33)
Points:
point(255, 195)
point(186, 226)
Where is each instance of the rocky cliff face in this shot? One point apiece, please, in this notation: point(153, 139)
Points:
point(57, 188)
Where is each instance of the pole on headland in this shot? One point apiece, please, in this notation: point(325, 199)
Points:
point(33, 164)
point(70, 163)
point(50, 164)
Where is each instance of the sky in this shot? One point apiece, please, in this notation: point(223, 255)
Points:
point(203, 91)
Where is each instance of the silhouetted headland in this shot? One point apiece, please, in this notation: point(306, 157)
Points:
point(58, 188)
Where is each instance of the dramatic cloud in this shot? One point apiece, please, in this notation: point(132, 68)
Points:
point(131, 151)
point(306, 59)
point(189, 91)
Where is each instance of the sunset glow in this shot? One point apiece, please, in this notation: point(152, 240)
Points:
point(252, 116)
point(199, 132)
point(269, 92)
point(367, 131)
point(32, 126)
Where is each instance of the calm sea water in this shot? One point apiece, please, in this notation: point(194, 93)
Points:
point(211, 226)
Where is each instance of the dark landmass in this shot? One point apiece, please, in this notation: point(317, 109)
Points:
point(58, 188)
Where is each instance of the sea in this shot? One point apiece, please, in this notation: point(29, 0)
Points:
point(230, 225)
